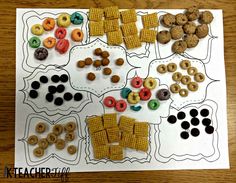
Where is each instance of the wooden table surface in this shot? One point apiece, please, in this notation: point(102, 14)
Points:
point(7, 88)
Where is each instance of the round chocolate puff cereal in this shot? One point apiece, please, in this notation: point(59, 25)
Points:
point(185, 125)
point(60, 144)
point(162, 68)
point(177, 76)
point(81, 64)
point(192, 71)
point(97, 63)
point(163, 94)
point(119, 61)
point(209, 129)
point(98, 51)
point(57, 129)
point(49, 97)
point(168, 20)
point(206, 17)
point(171, 67)
point(193, 86)
point(191, 40)
point(195, 121)
point(192, 13)
point(163, 37)
point(52, 89)
point(43, 79)
point(32, 140)
point(179, 46)
point(41, 53)
point(88, 61)
point(183, 92)
point(181, 19)
point(91, 76)
point(105, 54)
point(71, 149)
point(63, 20)
point(38, 152)
point(67, 96)
point(199, 77)
point(70, 126)
point(70, 136)
point(193, 112)
point(184, 135)
point(115, 79)
point(206, 122)
point(64, 78)
point(204, 112)
point(172, 119)
point(60, 88)
point(43, 143)
point(107, 71)
point(176, 32)
point(48, 24)
point(34, 42)
point(202, 31)
point(175, 88)
point(195, 132)
point(35, 85)
point(189, 28)
point(51, 138)
point(78, 97)
point(58, 101)
point(185, 80)
point(105, 61)
point(55, 78)
point(40, 127)
point(181, 115)
point(185, 64)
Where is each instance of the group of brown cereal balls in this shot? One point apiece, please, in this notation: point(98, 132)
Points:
point(183, 29)
point(98, 63)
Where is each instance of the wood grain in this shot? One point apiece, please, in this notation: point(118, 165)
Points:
point(7, 88)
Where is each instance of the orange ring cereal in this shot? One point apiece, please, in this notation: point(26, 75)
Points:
point(77, 35)
point(48, 24)
point(49, 42)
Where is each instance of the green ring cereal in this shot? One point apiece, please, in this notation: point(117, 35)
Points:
point(37, 29)
point(34, 42)
point(153, 104)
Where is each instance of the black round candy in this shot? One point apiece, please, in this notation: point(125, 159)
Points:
point(195, 121)
point(43, 79)
point(195, 132)
point(206, 121)
point(181, 115)
point(78, 97)
point(172, 119)
point(67, 96)
point(33, 94)
point(193, 112)
point(49, 97)
point(35, 85)
point(58, 101)
point(185, 125)
point(55, 78)
point(52, 89)
point(209, 129)
point(204, 112)
point(60, 88)
point(64, 78)
point(184, 135)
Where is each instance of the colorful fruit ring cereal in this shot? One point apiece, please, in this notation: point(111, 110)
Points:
point(49, 42)
point(125, 92)
point(174, 88)
point(70, 126)
point(150, 83)
point(32, 140)
point(38, 152)
point(177, 76)
point(62, 46)
point(109, 101)
point(60, 33)
point(135, 108)
point(57, 129)
point(71, 149)
point(153, 104)
point(76, 18)
point(37, 29)
point(77, 35)
point(145, 94)
point(163, 94)
point(192, 71)
point(40, 127)
point(199, 77)
point(63, 20)
point(121, 105)
point(137, 82)
point(171, 67)
point(162, 68)
point(34, 42)
point(185, 80)
point(51, 138)
point(183, 92)
point(133, 97)
point(41, 53)
point(48, 24)
point(185, 64)
point(193, 86)
point(43, 143)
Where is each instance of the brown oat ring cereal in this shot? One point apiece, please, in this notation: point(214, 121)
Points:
point(206, 17)
point(168, 20)
point(69, 136)
point(32, 140)
point(120, 61)
point(51, 138)
point(192, 71)
point(114, 38)
point(179, 46)
point(202, 31)
point(71, 149)
point(115, 79)
point(98, 51)
point(163, 37)
point(193, 86)
point(111, 25)
point(199, 77)
point(191, 40)
point(88, 61)
point(91, 76)
point(175, 88)
point(38, 152)
point(96, 28)
point(57, 129)
point(132, 42)
point(171, 67)
point(189, 28)
point(185, 64)
point(162, 68)
point(181, 19)
point(81, 64)
point(107, 71)
point(97, 63)
point(148, 36)
point(60, 144)
point(185, 80)
point(192, 13)
point(177, 76)
point(128, 16)
point(150, 20)
point(112, 12)
point(70, 126)
point(183, 92)
point(95, 14)
point(129, 29)
point(105, 61)
point(176, 32)
point(43, 143)
point(40, 127)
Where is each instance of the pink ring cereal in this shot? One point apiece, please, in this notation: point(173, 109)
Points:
point(109, 101)
point(121, 105)
point(145, 94)
point(136, 82)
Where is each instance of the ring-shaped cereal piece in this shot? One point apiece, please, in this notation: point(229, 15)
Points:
point(109, 101)
point(136, 108)
point(125, 92)
point(76, 18)
point(63, 20)
point(48, 24)
point(121, 105)
point(162, 68)
point(185, 64)
point(60, 33)
point(193, 86)
point(71, 149)
point(153, 104)
point(62, 46)
point(49, 42)
point(174, 88)
point(70, 136)
point(77, 35)
point(43, 143)
point(150, 83)
point(38, 152)
point(163, 94)
point(32, 140)
point(145, 94)
point(133, 98)
point(192, 71)
point(183, 92)
point(57, 129)
point(41, 53)
point(40, 127)
point(177, 76)
point(199, 77)
point(34, 42)
point(60, 144)
point(185, 80)
point(51, 138)
point(171, 67)
point(37, 29)
point(70, 126)
point(137, 82)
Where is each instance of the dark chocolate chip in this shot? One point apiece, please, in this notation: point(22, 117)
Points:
point(78, 97)
point(60, 88)
point(67, 96)
point(185, 125)
point(43, 79)
point(172, 119)
point(204, 112)
point(33, 94)
point(193, 112)
point(195, 121)
point(35, 85)
point(206, 121)
point(209, 129)
point(49, 97)
point(184, 135)
point(55, 78)
point(181, 115)
point(41, 53)
point(195, 132)
point(52, 89)
point(64, 78)
point(58, 101)
point(163, 94)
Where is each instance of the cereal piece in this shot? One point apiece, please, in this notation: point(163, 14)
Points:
point(32, 140)
point(163, 94)
point(126, 124)
point(191, 40)
point(101, 151)
point(168, 20)
point(95, 124)
point(125, 92)
point(206, 17)
point(96, 28)
point(63, 20)
point(141, 144)
point(185, 64)
point(150, 83)
point(77, 35)
point(81, 64)
point(177, 76)
point(70, 126)
point(189, 28)
point(91, 76)
point(34, 42)
point(176, 32)
point(133, 98)
point(136, 82)
point(48, 24)
point(88, 61)
point(148, 36)
point(162, 68)
point(60, 33)
point(49, 42)
point(43, 143)
point(99, 138)
point(107, 71)
point(136, 108)
point(128, 140)
point(105, 54)
point(60, 144)
point(98, 51)
point(116, 152)
point(111, 25)
point(121, 105)
point(129, 29)
point(163, 37)
point(199, 77)
point(150, 20)
point(97, 63)
point(70, 136)
point(71, 149)
point(110, 120)
point(145, 94)
point(193, 86)
point(192, 13)
point(132, 42)
point(37, 29)
point(41, 53)
point(202, 31)
point(115, 79)
point(153, 104)
point(57, 129)
point(128, 16)
point(51, 138)
point(113, 134)
point(120, 61)
point(76, 18)
point(109, 101)
point(40, 127)
point(62, 45)
point(185, 80)
point(179, 46)
point(95, 14)
point(112, 12)
point(114, 38)
point(183, 92)
point(171, 67)
point(181, 19)
point(175, 88)
point(38, 152)
point(192, 71)
point(141, 129)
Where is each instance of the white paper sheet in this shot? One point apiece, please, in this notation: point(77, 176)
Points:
point(166, 149)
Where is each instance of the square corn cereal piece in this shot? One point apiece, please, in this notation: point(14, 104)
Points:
point(132, 42)
point(114, 38)
point(111, 25)
point(112, 12)
point(95, 124)
point(110, 120)
point(141, 129)
point(150, 20)
point(113, 134)
point(129, 29)
point(95, 14)
point(128, 140)
point(101, 152)
point(99, 138)
point(116, 157)
point(148, 36)
point(126, 124)
point(96, 28)
point(128, 16)
point(141, 144)
point(116, 152)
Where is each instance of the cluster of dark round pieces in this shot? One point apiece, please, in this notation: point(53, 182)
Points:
point(194, 122)
point(52, 89)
